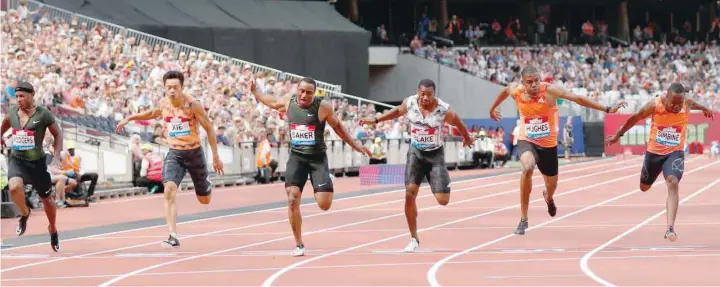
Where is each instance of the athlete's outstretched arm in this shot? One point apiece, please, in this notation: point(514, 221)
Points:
point(58, 144)
point(504, 93)
point(269, 100)
point(197, 108)
point(327, 114)
point(644, 112)
point(393, 113)
point(556, 92)
point(146, 115)
point(453, 118)
point(3, 128)
point(698, 107)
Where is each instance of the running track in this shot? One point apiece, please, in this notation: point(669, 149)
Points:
point(606, 232)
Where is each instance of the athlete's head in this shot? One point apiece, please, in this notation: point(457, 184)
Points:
point(426, 92)
point(530, 80)
point(306, 92)
point(674, 98)
point(24, 93)
point(173, 81)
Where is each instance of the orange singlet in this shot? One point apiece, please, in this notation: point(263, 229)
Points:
point(538, 120)
point(181, 125)
point(668, 130)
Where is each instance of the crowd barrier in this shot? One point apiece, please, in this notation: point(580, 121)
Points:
point(699, 129)
point(111, 159)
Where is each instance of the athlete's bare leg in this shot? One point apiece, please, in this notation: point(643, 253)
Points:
point(16, 186)
point(294, 197)
point(170, 206)
point(673, 201)
point(411, 192)
point(324, 199)
point(527, 162)
point(443, 198)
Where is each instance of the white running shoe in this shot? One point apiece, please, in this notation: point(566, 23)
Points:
point(670, 235)
point(299, 251)
point(414, 243)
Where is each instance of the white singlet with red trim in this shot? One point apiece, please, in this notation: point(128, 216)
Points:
point(426, 132)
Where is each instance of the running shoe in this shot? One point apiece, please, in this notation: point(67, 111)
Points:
point(54, 241)
point(414, 243)
point(22, 223)
point(299, 251)
point(521, 227)
point(552, 209)
point(670, 235)
point(171, 242)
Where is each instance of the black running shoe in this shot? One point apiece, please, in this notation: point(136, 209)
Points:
point(521, 227)
point(54, 241)
point(22, 223)
point(552, 209)
point(171, 242)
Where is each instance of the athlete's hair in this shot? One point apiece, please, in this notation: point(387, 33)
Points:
point(676, 88)
point(309, 81)
point(174, 75)
point(426, 83)
point(529, 70)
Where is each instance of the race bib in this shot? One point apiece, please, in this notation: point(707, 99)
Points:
point(302, 135)
point(537, 127)
point(23, 139)
point(178, 126)
point(424, 137)
point(668, 136)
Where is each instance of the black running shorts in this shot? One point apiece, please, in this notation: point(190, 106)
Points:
point(178, 162)
point(546, 158)
point(428, 165)
point(670, 164)
point(32, 172)
point(299, 166)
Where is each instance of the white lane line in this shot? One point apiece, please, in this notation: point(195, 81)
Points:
point(584, 260)
point(432, 273)
point(332, 228)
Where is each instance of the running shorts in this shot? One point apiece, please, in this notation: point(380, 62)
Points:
point(546, 158)
point(428, 165)
point(178, 162)
point(670, 164)
point(32, 172)
point(300, 166)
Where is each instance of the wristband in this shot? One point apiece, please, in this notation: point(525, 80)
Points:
point(377, 120)
point(607, 109)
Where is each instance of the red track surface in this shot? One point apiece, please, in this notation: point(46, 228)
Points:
point(604, 232)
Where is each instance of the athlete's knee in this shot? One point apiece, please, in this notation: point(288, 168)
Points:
point(672, 181)
point(170, 189)
point(645, 187)
point(16, 185)
point(527, 170)
point(293, 195)
point(204, 199)
point(443, 200)
point(411, 191)
point(324, 205)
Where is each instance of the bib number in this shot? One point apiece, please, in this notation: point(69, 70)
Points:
point(668, 136)
point(178, 126)
point(302, 135)
point(424, 138)
point(23, 140)
point(537, 127)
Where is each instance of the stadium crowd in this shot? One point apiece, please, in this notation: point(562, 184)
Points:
point(635, 72)
point(98, 72)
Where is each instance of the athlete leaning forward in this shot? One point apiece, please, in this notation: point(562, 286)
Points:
point(182, 114)
point(426, 155)
point(666, 142)
point(537, 142)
